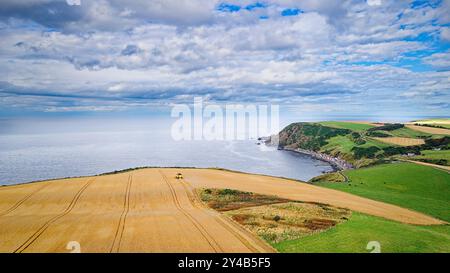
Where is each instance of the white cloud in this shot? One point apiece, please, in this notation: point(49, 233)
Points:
point(439, 60)
point(143, 51)
point(445, 34)
point(374, 2)
point(73, 2)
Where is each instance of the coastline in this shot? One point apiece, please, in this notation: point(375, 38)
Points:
point(336, 163)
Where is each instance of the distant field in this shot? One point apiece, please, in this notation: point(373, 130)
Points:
point(409, 185)
point(445, 125)
point(408, 132)
point(401, 141)
point(353, 236)
point(439, 122)
point(429, 130)
point(430, 121)
point(358, 127)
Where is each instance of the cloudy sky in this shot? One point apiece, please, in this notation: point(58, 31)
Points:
point(343, 57)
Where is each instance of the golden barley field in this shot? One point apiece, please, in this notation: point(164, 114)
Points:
point(430, 130)
point(149, 210)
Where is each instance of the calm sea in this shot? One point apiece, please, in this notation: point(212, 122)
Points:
point(33, 150)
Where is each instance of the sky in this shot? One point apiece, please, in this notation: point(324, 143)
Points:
point(351, 57)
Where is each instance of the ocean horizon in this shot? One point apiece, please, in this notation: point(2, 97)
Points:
point(59, 150)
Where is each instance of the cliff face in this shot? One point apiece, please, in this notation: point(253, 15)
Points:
point(313, 138)
point(309, 136)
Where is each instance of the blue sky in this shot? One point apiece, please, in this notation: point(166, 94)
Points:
point(351, 57)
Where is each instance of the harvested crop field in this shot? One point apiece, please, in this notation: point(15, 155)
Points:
point(400, 141)
point(139, 211)
point(430, 130)
point(148, 210)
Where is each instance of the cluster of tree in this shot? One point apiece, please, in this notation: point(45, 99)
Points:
point(431, 125)
point(369, 152)
point(432, 143)
point(357, 138)
point(377, 134)
point(401, 150)
point(441, 161)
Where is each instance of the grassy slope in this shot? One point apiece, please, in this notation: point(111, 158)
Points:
point(344, 145)
point(340, 143)
point(347, 125)
point(353, 236)
point(420, 188)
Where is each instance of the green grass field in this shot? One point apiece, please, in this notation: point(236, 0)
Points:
point(339, 143)
point(444, 154)
point(408, 185)
point(434, 155)
point(347, 125)
point(345, 145)
point(353, 236)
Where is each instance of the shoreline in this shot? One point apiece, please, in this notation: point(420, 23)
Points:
point(336, 163)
